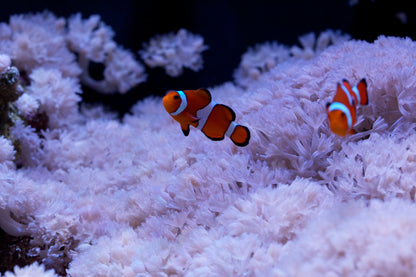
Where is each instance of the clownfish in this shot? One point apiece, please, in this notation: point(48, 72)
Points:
point(342, 111)
point(196, 108)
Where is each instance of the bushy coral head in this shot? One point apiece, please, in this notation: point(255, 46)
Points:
point(174, 52)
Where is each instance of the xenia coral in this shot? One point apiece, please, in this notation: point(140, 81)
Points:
point(174, 52)
point(103, 197)
point(34, 269)
point(43, 40)
point(93, 41)
point(265, 56)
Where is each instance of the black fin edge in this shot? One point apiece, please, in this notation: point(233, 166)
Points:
point(214, 139)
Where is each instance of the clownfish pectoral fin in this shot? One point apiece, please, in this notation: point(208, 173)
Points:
point(362, 90)
point(185, 129)
point(192, 118)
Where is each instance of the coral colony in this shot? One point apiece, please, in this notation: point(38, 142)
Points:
point(86, 194)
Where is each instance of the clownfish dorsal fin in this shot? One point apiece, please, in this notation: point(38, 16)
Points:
point(339, 91)
point(361, 88)
point(206, 93)
point(204, 97)
point(346, 83)
point(230, 110)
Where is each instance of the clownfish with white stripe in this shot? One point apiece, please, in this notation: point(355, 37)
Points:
point(196, 108)
point(342, 112)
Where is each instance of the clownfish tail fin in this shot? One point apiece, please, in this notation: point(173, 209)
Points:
point(362, 89)
point(240, 135)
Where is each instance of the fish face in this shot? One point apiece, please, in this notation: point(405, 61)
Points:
point(172, 101)
point(338, 122)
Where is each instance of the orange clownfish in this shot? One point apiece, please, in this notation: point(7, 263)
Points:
point(196, 108)
point(342, 111)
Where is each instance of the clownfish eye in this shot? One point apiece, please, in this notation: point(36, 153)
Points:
point(176, 97)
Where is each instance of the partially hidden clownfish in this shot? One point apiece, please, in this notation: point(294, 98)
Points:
point(196, 108)
point(342, 112)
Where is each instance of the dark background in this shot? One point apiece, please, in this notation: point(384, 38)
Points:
point(228, 27)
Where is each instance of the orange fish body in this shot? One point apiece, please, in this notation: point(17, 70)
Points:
point(342, 112)
point(196, 108)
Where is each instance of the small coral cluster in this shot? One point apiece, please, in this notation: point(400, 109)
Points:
point(263, 57)
point(103, 197)
point(175, 52)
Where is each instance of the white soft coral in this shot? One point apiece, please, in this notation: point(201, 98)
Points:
point(175, 52)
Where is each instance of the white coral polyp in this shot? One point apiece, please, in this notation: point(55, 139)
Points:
point(5, 62)
point(27, 105)
point(32, 270)
point(57, 96)
point(7, 151)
